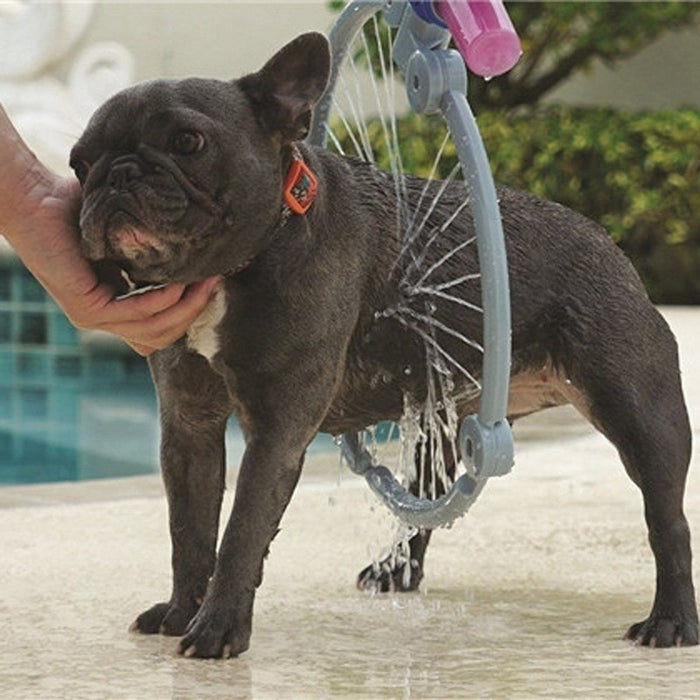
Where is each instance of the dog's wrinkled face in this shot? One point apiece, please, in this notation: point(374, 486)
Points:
point(182, 179)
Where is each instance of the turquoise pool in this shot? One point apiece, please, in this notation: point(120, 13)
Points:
point(90, 428)
point(71, 407)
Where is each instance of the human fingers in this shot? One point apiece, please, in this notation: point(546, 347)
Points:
point(140, 307)
point(168, 325)
point(139, 349)
point(100, 310)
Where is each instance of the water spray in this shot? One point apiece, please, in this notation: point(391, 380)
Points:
point(436, 82)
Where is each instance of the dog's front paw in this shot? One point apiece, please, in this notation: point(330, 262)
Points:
point(165, 618)
point(659, 631)
point(215, 634)
point(386, 576)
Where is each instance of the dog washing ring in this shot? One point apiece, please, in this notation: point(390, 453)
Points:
point(436, 82)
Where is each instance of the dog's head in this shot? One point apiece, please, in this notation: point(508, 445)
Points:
point(183, 179)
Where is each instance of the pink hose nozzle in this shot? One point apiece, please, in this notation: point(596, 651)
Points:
point(483, 33)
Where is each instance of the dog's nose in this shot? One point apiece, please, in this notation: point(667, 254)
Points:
point(123, 171)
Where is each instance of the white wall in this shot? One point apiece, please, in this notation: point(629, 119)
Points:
point(218, 40)
point(664, 76)
point(228, 39)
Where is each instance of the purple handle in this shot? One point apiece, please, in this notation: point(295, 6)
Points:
point(483, 33)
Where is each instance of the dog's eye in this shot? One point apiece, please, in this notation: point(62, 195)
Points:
point(187, 142)
point(81, 169)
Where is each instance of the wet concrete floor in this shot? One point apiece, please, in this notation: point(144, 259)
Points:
point(527, 596)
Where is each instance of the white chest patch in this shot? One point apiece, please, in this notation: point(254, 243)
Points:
point(202, 335)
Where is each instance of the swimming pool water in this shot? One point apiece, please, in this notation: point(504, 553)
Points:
point(72, 408)
point(101, 421)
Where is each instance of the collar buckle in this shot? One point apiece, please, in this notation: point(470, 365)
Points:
point(301, 184)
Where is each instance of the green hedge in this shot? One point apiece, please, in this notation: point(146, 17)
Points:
point(637, 174)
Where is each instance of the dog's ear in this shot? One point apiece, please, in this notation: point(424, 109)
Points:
point(285, 89)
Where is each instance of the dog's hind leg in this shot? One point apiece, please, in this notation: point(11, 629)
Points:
point(194, 410)
point(631, 380)
point(390, 574)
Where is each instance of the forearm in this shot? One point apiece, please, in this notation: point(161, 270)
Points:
point(21, 175)
point(38, 218)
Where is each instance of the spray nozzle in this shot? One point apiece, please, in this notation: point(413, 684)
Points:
point(481, 29)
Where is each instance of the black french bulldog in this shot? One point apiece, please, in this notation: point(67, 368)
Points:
point(185, 179)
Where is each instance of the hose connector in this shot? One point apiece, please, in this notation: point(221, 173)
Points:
point(482, 30)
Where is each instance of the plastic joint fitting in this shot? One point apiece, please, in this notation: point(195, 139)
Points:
point(489, 448)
